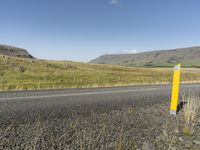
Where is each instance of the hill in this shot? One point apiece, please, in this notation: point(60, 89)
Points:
point(188, 57)
point(14, 51)
point(22, 74)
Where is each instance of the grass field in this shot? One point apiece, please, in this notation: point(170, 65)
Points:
point(27, 74)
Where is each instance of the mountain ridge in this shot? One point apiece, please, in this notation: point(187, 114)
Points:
point(14, 51)
point(188, 57)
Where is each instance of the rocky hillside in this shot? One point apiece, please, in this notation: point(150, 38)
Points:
point(14, 51)
point(188, 57)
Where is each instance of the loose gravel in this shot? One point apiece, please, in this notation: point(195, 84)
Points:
point(129, 127)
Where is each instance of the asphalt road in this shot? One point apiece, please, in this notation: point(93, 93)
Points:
point(23, 105)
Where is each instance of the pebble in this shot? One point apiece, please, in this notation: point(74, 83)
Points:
point(148, 146)
point(181, 139)
point(196, 142)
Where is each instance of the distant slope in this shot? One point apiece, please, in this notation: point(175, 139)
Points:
point(22, 73)
point(14, 51)
point(188, 57)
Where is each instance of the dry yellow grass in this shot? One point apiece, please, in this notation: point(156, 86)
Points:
point(28, 74)
point(190, 111)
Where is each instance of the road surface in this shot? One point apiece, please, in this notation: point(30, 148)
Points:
point(23, 105)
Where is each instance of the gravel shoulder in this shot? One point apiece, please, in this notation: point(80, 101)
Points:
point(128, 127)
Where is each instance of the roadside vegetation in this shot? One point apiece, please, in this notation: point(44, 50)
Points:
point(182, 131)
point(27, 74)
point(190, 111)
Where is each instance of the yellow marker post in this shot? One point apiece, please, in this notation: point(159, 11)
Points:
point(175, 89)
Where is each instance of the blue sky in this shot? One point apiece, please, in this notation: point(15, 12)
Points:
point(84, 29)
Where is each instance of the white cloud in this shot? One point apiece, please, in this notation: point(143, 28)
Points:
point(133, 51)
point(114, 1)
point(130, 51)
